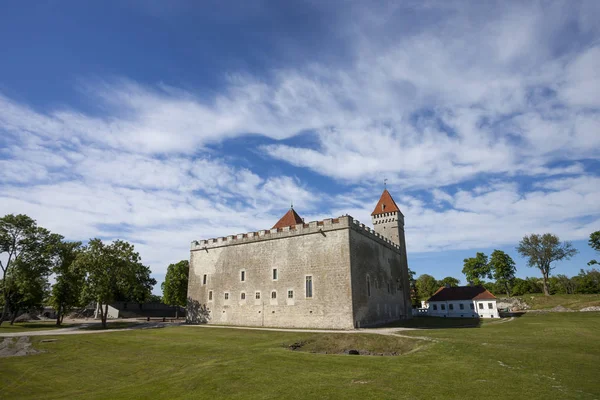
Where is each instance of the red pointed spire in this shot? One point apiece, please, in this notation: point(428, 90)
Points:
point(290, 218)
point(385, 204)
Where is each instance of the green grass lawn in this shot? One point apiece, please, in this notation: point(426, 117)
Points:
point(30, 326)
point(570, 301)
point(536, 356)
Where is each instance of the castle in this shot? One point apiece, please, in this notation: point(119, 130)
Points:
point(332, 274)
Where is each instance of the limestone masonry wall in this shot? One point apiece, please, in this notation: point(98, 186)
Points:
point(231, 278)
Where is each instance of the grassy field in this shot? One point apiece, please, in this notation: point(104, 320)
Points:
point(570, 301)
point(536, 356)
point(30, 326)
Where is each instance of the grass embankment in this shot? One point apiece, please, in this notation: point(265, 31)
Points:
point(570, 301)
point(536, 356)
point(365, 344)
point(30, 326)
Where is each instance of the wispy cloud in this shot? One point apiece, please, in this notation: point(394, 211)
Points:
point(456, 106)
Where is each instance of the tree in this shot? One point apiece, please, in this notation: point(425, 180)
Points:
point(542, 251)
point(449, 281)
point(476, 269)
point(112, 272)
point(176, 284)
point(503, 269)
point(562, 284)
point(27, 290)
point(28, 249)
point(66, 291)
point(414, 292)
point(588, 282)
point(426, 286)
point(594, 243)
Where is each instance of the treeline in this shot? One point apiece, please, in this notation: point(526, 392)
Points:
point(540, 251)
point(95, 272)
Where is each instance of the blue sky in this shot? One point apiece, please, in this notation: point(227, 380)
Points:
point(161, 123)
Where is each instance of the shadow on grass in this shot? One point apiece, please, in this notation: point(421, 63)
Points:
point(33, 325)
point(436, 323)
point(110, 325)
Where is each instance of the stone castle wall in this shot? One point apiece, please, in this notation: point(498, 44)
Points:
point(320, 249)
point(379, 283)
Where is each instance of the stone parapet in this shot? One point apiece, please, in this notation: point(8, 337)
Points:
point(313, 227)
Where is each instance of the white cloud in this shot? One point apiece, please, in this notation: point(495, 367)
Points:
point(467, 95)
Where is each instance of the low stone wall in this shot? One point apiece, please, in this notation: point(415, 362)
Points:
point(512, 304)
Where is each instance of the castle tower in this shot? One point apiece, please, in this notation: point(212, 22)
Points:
point(388, 221)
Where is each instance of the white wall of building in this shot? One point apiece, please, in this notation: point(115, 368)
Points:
point(464, 309)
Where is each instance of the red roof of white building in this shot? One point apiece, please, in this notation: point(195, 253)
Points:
point(462, 293)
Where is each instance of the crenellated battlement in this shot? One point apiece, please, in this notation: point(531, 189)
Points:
point(313, 227)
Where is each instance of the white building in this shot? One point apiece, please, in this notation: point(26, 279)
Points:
point(463, 302)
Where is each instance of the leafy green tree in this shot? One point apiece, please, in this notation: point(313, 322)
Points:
point(542, 250)
point(449, 281)
point(176, 284)
point(414, 292)
point(112, 272)
point(525, 286)
point(427, 285)
point(594, 243)
point(562, 284)
point(588, 282)
point(66, 291)
point(503, 269)
point(27, 290)
point(26, 250)
point(476, 269)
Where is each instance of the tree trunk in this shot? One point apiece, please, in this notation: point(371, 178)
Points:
point(546, 291)
point(58, 316)
point(14, 316)
point(4, 310)
point(104, 315)
point(176, 312)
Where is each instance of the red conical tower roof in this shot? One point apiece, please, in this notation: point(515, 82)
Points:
point(385, 204)
point(290, 218)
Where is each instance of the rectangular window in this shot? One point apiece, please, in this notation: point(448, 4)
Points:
point(472, 306)
point(481, 306)
point(435, 307)
point(274, 274)
point(243, 296)
point(461, 306)
point(226, 296)
point(388, 286)
point(257, 295)
point(309, 287)
point(210, 295)
point(273, 294)
point(368, 286)
point(243, 276)
point(204, 279)
point(290, 294)
point(490, 306)
point(443, 306)
point(450, 306)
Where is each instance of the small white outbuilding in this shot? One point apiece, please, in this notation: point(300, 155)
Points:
point(463, 302)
